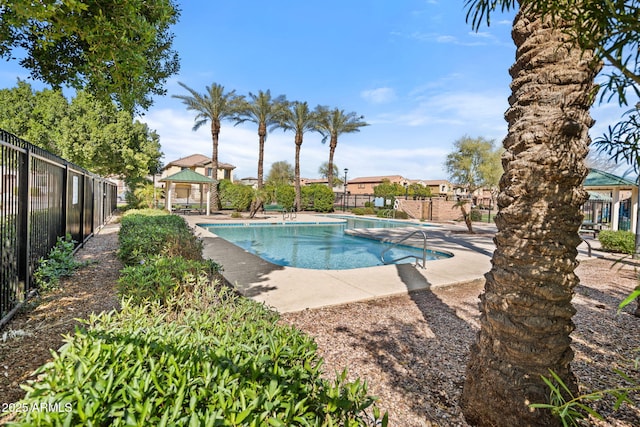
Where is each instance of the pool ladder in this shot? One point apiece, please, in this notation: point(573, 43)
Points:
point(290, 213)
point(406, 237)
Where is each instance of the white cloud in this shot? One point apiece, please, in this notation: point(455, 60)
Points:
point(380, 95)
point(412, 142)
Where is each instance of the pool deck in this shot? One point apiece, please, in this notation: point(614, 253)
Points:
point(289, 289)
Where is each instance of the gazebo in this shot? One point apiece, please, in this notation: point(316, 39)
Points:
point(606, 206)
point(188, 176)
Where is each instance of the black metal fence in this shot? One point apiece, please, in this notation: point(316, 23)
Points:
point(42, 197)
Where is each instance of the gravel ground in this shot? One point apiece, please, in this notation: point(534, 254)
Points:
point(411, 349)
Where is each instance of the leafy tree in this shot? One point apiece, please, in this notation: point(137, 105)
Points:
point(299, 119)
point(323, 170)
point(387, 189)
point(117, 51)
point(33, 115)
point(332, 124)
point(281, 173)
point(212, 106)
point(473, 164)
point(418, 191)
point(266, 112)
point(105, 140)
point(85, 131)
point(526, 306)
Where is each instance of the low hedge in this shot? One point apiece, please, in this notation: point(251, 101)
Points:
point(618, 241)
point(159, 277)
point(209, 357)
point(363, 211)
point(143, 236)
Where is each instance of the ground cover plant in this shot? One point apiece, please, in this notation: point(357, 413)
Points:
point(188, 350)
point(59, 263)
point(207, 358)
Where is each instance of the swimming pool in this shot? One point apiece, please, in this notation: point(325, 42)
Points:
point(319, 246)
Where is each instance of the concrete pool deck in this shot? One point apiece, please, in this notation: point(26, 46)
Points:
point(288, 289)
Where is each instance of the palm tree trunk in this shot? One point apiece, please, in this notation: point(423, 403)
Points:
point(332, 149)
point(297, 172)
point(214, 199)
point(262, 136)
point(526, 306)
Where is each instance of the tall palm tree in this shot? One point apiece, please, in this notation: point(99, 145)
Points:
point(526, 310)
point(333, 123)
point(212, 106)
point(299, 119)
point(266, 112)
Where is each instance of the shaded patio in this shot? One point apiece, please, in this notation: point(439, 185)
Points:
point(606, 207)
point(189, 177)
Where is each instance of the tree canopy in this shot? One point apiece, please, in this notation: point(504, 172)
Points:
point(474, 163)
point(120, 51)
point(280, 173)
point(85, 131)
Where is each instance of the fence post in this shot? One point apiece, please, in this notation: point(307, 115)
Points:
point(23, 220)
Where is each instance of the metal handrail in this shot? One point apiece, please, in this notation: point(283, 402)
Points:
point(291, 213)
point(408, 236)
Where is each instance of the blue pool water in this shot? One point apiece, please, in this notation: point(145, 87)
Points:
point(321, 246)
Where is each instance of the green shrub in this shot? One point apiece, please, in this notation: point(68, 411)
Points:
point(236, 196)
point(476, 215)
point(158, 278)
point(143, 236)
point(363, 211)
point(285, 195)
point(618, 241)
point(59, 263)
point(320, 196)
point(401, 215)
point(208, 358)
point(384, 213)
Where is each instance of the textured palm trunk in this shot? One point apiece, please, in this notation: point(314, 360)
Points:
point(262, 136)
point(526, 308)
point(298, 141)
point(332, 149)
point(214, 199)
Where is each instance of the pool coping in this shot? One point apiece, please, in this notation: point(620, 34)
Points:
point(280, 287)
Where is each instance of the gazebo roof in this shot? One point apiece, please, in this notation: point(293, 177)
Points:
point(595, 196)
point(188, 176)
point(601, 179)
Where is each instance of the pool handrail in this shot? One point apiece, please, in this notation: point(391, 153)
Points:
point(291, 213)
point(406, 237)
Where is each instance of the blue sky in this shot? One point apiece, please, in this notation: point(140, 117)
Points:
point(413, 68)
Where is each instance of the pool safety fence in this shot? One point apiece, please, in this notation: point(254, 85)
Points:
point(42, 197)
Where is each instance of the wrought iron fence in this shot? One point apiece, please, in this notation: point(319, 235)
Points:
point(42, 197)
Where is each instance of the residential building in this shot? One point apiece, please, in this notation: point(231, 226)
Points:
point(199, 163)
point(366, 184)
point(440, 187)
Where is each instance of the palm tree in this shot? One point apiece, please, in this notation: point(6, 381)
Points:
point(299, 119)
point(266, 112)
point(526, 310)
point(213, 106)
point(333, 123)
